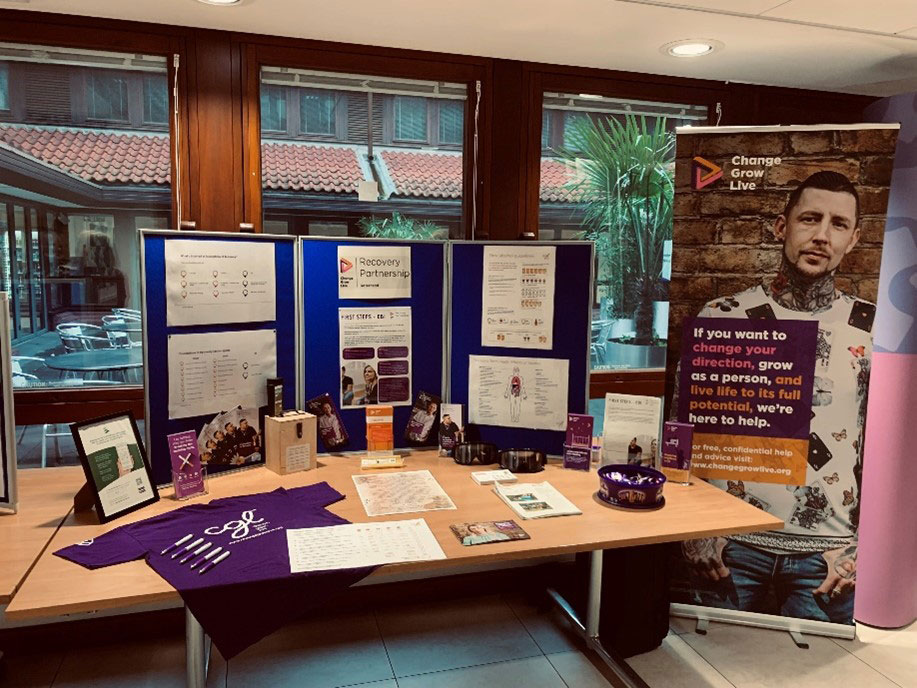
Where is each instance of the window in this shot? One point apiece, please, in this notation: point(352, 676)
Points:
point(68, 239)
point(155, 99)
point(410, 119)
point(580, 198)
point(451, 122)
point(273, 109)
point(347, 132)
point(4, 86)
point(106, 97)
point(317, 113)
point(546, 118)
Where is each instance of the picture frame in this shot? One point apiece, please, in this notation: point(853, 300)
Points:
point(115, 464)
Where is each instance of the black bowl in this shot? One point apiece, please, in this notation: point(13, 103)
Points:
point(523, 460)
point(467, 453)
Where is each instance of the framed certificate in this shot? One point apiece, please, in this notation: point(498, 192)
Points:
point(115, 464)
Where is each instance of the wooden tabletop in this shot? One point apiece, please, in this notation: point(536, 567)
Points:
point(45, 499)
point(56, 586)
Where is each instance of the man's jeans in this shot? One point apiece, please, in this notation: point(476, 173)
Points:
point(776, 584)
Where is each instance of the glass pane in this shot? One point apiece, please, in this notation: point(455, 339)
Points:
point(451, 122)
point(4, 86)
point(316, 112)
point(75, 195)
point(546, 117)
point(313, 186)
point(107, 99)
point(273, 109)
point(410, 119)
point(155, 99)
point(596, 186)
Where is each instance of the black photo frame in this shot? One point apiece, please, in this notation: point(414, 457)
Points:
point(95, 472)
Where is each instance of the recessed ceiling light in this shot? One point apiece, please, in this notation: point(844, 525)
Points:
point(221, 3)
point(691, 47)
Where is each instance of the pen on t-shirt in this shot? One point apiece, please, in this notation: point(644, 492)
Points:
point(211, 564)
point(188, 547)
point(176, 544)
point(212, 553)
point(199, 550)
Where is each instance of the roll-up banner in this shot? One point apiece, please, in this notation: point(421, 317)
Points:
point(8, 499)
point(777, 243)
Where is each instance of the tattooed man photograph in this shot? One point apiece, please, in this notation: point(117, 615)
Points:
point(807, 570)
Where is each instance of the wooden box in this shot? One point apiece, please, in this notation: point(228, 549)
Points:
point(290, 442)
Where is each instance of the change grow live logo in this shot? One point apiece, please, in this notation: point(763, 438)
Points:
point(745, 172)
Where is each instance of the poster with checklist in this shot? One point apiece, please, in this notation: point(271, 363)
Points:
point(518, 297)
point(217, 282)
point(215, 371)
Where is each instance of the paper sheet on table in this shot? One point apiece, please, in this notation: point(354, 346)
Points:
point(216, 282)
point(518, 392)
point(401, 493)
point(220, 370)
point(518, 297)
point(361, 544)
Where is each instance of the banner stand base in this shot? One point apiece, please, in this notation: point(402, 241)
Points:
point(795, 627)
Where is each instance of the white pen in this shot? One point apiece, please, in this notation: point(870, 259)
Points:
point(176, 544)
point(211, 564)
point(189, 547)
point(200, 549)
point(212, 553)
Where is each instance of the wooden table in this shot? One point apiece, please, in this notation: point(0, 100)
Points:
point(57, 587)
point(45, 500)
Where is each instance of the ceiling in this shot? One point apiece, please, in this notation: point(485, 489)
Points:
point(836, 45)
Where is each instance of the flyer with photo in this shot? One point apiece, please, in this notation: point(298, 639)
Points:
point(423, 420)
point(375, 356)
point(331, 428)
point(484, 532)
point(631, 429)
point(450, 428)
point(232, 438)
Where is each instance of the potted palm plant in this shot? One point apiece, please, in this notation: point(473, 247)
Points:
point(624, 179)
point(398, 226)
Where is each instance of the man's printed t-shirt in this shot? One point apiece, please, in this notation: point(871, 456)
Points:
point(252, 592)
point(819, 513)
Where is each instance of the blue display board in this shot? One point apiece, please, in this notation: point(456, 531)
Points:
point(156, 336)
point(321, 347)
point(572, 322)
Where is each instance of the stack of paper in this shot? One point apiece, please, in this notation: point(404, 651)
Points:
point(536, 500)
point(491, 477)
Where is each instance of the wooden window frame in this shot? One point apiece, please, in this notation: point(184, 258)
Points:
point(355, 59)
point(53, 405)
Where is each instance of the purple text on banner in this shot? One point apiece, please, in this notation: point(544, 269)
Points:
point(358, 353)
point(394, 389)
point(393, 367)
point(393, 352)
point(748, 377)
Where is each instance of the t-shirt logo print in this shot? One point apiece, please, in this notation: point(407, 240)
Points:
point(238, 527)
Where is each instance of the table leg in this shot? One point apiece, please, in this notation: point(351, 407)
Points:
point(590, 630)
point(196, 652)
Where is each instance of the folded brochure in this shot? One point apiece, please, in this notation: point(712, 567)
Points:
point(483, 532)
point(535, 500)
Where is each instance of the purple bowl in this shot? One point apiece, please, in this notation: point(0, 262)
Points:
point(631, 486)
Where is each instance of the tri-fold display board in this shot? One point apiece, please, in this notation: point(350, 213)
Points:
point(367, 322)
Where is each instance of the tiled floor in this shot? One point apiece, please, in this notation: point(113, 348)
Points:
point(500, 641)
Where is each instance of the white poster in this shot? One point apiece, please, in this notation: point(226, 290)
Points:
point(375, 346)
point(220, 370)
point(374, 272)
point(518, 297)
point(518, 392)
point(631, 429)
point(217, 282)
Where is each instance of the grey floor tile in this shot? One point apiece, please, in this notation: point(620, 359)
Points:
point(676, 665)
point(577, 671)
point(323, 653)
point(156, 663)
point(32, 670)
point(762, 658)
point(893, 653)
point(533, 672)
point(550, 629)
point(429, 637)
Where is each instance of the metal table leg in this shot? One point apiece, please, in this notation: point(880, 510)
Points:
point(590, 630)
point(197, 652)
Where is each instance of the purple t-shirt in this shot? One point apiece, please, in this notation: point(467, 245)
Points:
point(251, 593)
